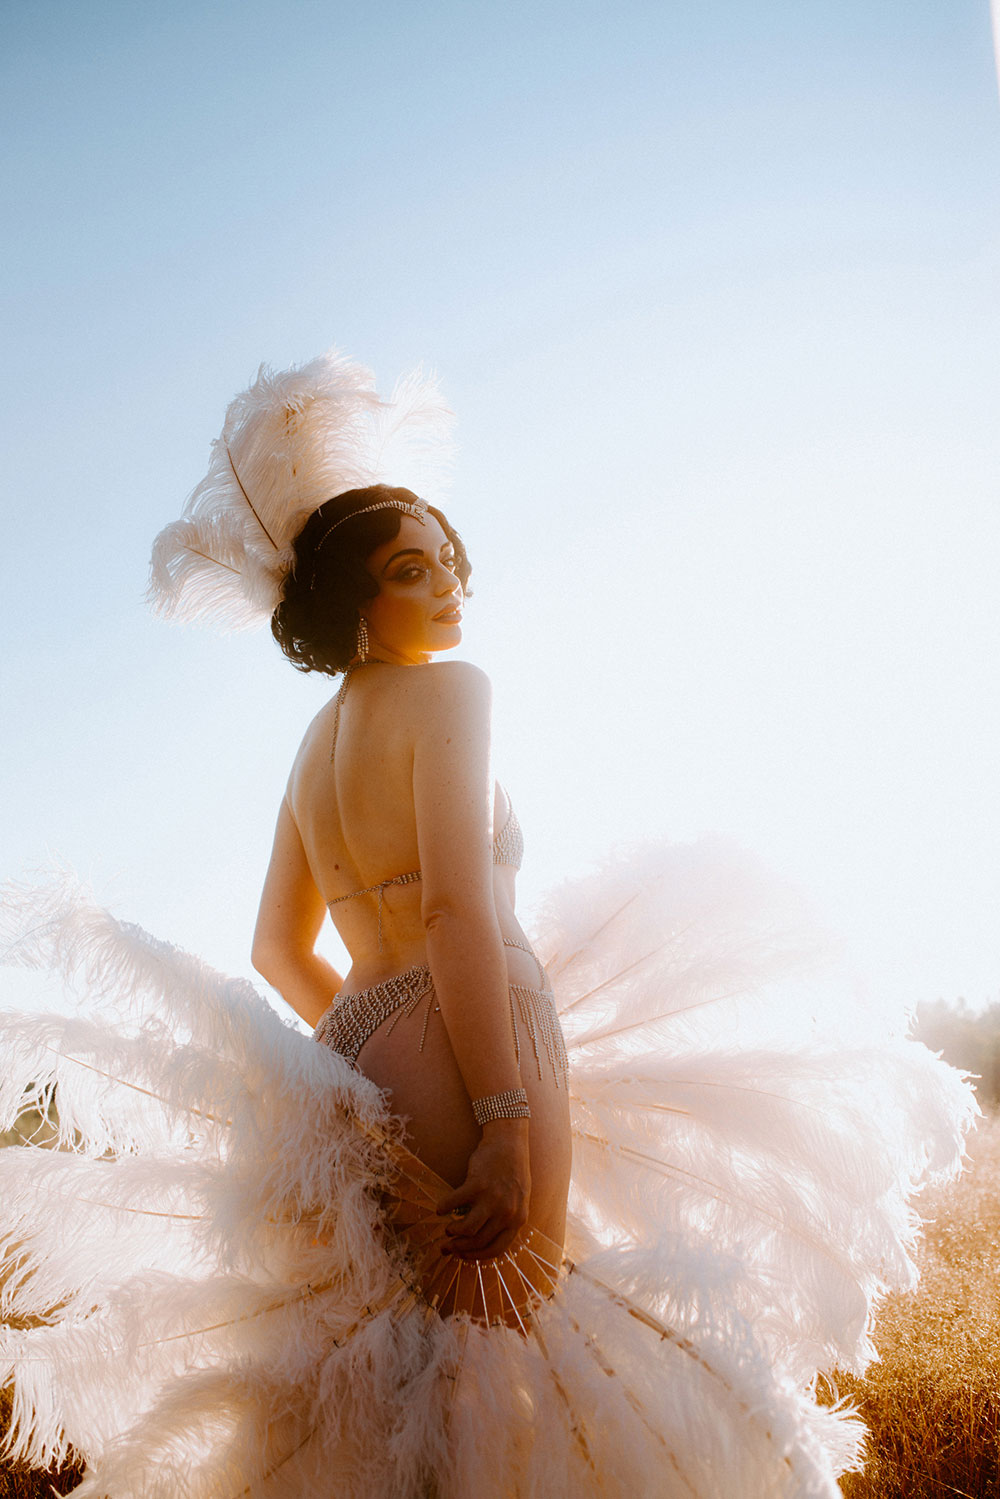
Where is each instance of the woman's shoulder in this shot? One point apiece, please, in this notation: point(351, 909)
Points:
point(457, 677)
point(452, 688)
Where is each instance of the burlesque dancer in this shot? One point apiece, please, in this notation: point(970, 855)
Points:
point(534, 1218)
point(445, 1004)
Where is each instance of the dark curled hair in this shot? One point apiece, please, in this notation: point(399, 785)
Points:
point(316, 623)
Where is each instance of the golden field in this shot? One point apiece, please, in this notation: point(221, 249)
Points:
point(932, 1405)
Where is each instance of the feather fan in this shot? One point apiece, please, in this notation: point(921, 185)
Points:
point(202, 1292)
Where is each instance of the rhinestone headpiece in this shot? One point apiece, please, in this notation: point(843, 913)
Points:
point(418, 511)
point(290, 442)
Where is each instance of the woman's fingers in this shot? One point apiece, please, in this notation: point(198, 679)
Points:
point(486, 1246)
point(471, 1243)
point(462, 1205)
point(460, 1200)
point(484, 1230)
point(481, 1198)
point(483, 1205)
point(470, 1225)
point(489, 1207)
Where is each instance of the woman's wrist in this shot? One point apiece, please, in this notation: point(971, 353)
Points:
point(506, 1127)
point(507, 1140)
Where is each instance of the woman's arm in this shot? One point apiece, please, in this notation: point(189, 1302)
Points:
point(453, 800)
point(288, 923)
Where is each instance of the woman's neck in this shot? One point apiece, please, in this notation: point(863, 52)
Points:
point(388, 657)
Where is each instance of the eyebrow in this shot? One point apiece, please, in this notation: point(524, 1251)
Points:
point(414, 552)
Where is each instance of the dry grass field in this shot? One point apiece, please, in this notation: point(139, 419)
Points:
point(932, 1404)
point(25, 1483)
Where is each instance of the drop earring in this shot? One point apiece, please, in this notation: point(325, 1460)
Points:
point(362, 646)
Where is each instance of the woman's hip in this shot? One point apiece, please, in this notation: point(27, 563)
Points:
point(394, 1033)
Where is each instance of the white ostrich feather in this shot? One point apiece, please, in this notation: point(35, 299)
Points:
point(292, 440)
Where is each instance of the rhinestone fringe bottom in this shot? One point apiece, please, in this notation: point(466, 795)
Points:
point(353, 1018)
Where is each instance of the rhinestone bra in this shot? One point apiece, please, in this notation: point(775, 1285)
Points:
point(508, 845)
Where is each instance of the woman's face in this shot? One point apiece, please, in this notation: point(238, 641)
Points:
point(418, 608)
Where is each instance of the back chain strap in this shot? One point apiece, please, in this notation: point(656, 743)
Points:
point(397, 879)
point(342, 693)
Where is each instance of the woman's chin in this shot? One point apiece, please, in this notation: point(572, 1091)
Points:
point(446, 636)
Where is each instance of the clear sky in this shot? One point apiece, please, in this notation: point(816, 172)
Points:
point(713, 289)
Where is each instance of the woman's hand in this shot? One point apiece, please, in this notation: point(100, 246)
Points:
point(492, 1203)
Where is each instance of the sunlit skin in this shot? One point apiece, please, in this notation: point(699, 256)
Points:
point(412, 788)
point(417, 584)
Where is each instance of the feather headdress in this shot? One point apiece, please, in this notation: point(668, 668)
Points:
point(292, 440)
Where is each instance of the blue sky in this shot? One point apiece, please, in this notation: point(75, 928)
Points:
point(713, 291)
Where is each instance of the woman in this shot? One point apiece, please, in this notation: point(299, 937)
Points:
point(268, 1267)
point(409, 789)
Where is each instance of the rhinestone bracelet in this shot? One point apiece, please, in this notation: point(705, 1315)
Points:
point(510, 1105)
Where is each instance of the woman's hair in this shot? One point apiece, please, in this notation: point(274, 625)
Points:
point(316, 623)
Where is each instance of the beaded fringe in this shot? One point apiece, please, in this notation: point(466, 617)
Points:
point(538, 1015)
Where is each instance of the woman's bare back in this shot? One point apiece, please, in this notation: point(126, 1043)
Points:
point(359, 827)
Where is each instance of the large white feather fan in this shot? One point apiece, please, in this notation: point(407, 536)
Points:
point(292, 440)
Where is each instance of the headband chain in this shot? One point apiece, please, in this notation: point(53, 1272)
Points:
point(418, 511)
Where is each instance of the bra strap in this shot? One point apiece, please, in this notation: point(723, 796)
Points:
point(379, 890)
